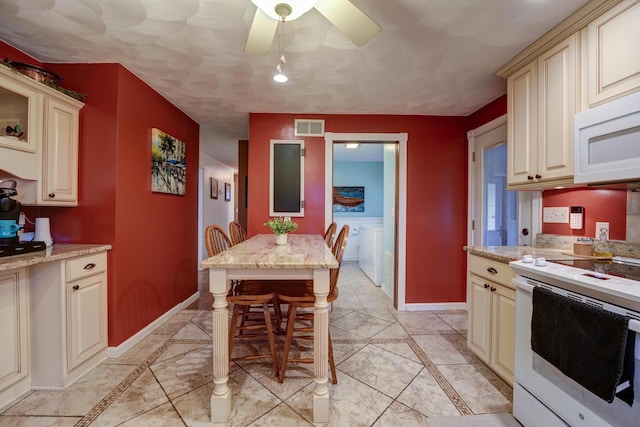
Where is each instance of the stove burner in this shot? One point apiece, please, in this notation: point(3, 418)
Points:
point(21, 248)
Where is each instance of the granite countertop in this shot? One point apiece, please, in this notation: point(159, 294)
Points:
point(507, 254)
point(56, 252)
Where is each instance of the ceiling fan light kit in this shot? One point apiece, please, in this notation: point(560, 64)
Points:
point(344, 15)
point(275, 8)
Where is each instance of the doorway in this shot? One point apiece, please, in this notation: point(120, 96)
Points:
point(399, 141)
point(497, 216)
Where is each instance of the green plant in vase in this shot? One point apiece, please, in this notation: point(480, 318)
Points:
point(281, 227)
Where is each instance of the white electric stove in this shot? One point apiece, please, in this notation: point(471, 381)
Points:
point(543, 396)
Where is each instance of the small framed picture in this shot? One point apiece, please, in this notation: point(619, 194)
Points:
point(214, 188)
point(227, 191)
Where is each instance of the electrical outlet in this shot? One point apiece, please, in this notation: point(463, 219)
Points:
point(602, 230)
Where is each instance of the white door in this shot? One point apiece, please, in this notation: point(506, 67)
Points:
point(497, 217)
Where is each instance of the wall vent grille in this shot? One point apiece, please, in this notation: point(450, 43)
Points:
point(305, 127)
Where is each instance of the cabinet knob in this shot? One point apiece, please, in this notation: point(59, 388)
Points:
point(486, 286)
point(52, 195)
point(493, 289)
point(530, 178)
point(492, 270)
point(76, 287)
point(89, 266)
point(538, 176)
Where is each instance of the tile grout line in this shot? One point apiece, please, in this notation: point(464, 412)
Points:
point(100, 407)
point(440, 379)
point(448, 389)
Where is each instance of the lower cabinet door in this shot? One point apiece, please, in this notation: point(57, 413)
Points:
point(479, 334)
point(14, 314)
point(503, 331)
point(86, 319)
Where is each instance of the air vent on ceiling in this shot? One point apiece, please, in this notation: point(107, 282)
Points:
point(306, 127)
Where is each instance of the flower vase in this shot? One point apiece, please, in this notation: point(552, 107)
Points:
point(281, 239)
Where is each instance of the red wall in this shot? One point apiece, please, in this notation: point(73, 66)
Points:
point(12, 54)
point(153, 263)
point(492, 110)
point(436, 187)
point(599, 205)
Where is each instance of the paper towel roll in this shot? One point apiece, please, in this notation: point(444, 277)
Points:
point(43, 231)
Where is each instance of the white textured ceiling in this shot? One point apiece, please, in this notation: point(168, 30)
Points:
point(433, 57)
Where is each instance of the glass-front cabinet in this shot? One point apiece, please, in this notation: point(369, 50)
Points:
point(18, 116)
point(38, 140)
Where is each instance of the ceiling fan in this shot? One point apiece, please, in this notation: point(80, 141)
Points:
point(346, 16)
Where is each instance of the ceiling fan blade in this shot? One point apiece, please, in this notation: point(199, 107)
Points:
point(349, 19)
point(261, 34)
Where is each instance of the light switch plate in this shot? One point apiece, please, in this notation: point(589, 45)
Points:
point(556, 215)
point(602, 230)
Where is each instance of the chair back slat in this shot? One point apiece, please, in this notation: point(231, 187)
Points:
point(236, 233)
point(328, 235)
point(216, 240)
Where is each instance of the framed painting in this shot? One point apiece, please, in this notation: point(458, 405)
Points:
point(168, 163)
point(214, 188)
point(227, 191)
point(348, 199)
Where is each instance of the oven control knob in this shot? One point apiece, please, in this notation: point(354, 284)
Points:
point(540, 262)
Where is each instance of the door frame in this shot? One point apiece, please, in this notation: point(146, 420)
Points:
point(535, 197)
point(401, 194)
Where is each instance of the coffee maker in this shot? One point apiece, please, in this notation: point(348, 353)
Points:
point(9, 210)
point(10, 243)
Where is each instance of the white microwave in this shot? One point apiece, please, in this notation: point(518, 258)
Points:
point(607, 142)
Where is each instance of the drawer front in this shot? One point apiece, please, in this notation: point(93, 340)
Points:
point(492, 270)
point(86, 266)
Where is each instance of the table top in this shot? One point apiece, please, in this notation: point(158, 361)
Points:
point(302, 251)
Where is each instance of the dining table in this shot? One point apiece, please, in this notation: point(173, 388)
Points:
point(303, 257)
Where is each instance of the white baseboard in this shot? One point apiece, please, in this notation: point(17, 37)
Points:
point(115, 352)
point(436, 306)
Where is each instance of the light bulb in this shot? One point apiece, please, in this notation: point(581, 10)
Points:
point(280, 77)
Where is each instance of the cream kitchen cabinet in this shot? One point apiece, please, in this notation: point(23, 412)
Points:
point(68, 319)
point(613, 60)
point(542, 98)
point(491, 311)
point(14, 335)
point(45, 158)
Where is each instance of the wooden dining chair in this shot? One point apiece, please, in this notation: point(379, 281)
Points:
point(331, 231)
point(251, 321)
point(302, 296)
point(237, 233)
point(216, 240)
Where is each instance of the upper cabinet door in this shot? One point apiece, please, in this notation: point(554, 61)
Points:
point(558, 83)
point(614, 61)
point(522, 125)
point(60, 181)
point(19, 113)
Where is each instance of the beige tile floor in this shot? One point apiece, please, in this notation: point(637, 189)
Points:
point(394, 369)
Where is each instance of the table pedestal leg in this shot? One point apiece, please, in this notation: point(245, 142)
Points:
point(221, 397)
point(321, 347)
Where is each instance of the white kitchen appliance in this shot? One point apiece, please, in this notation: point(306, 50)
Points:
point(542, 394)
point(371, 252)
point(607, 142)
